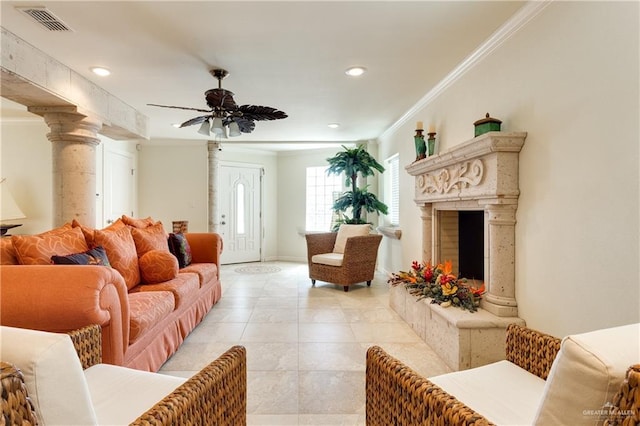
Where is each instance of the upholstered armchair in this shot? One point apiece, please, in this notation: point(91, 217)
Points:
point(52, 378)
point(343, 258)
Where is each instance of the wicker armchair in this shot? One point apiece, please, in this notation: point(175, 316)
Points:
point(397, 395)
point(214, 396)
point(358, 262)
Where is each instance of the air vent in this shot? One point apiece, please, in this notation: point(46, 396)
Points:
point(45, 18)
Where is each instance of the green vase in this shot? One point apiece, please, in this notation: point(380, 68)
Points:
point(421, 147)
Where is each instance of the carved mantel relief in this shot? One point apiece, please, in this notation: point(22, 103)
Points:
point(457, 176)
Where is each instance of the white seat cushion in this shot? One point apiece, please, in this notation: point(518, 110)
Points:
point(502, 392)
point(120, 395)
point(331, 259)
point(52, 374)
point(347, 231)
point(587, 373)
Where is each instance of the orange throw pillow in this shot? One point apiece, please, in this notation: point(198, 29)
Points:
point(157, 266)
point(121, 251)
point(137, 223)
point(150, 238)
point(38, 249)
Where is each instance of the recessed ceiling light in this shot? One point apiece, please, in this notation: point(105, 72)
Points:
point(334, 125)
point(355, 71)
point(102, 72)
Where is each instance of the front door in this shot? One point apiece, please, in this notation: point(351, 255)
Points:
point(240, 213)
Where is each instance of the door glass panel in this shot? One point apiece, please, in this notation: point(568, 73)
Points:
point(240, 209)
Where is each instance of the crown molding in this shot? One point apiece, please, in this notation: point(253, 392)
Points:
point(502, 34)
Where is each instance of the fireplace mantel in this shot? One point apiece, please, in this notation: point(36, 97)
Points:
point(484, 168)
point(480, 174)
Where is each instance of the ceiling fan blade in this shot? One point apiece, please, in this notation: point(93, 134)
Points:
point(196, 120)
point(220, 98)
point(258, 113)
point(179, 107)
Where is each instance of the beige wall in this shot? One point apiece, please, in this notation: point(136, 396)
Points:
point(570, 79)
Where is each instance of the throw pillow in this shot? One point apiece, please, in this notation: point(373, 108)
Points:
point(150, 238)
point(158, 266)
point(94, 256)
point(137, 223)
point(86, 231)
point(121, 251)
point(179, 247)
point(347, 231)
point(38, 249)
point(7, 252)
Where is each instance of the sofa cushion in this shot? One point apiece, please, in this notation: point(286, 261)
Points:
point(94, 256)
point(184, 288)
point(38, 249)
point(502, 392)
point(146, 309)
point(587, 373)
point(157, 266)
point(207, 272)
point(331, 259)
point(137, 392)
point(179, 246)
point(150, 238)
point(52, 374)
point(7, 252)
point(121, 251)
point(347, 231)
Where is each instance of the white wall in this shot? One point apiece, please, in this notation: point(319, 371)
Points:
point(25, 161)
point(570, 79)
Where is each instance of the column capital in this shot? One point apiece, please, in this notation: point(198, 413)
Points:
point(68, 125)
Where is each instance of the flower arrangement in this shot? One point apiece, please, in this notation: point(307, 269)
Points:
point(438, 283)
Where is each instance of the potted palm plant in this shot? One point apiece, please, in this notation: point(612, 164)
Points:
point(353, 162)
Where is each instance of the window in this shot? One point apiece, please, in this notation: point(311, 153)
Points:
point(392, 189)
point(321, 191)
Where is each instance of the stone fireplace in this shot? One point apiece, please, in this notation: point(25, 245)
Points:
point(468, 197)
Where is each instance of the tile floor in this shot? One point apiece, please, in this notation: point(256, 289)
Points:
point(305, 345)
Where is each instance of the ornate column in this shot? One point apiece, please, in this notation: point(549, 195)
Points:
point(500, 276)
point(214, 168)
point(74, 138)
point(426, 214)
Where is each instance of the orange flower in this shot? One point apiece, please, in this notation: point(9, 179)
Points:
point(478, 291)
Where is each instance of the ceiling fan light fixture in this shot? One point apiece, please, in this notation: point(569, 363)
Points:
point(355, 71)
point(204, 128)
point(217, 127)
point(234, 129)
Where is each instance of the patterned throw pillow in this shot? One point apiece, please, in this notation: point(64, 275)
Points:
point(179, 247)
point(157, 266)
point(121, 251)
point(150, 238)
point(38, 249)
point(95, 256)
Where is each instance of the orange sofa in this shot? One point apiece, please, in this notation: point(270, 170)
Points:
point(144, 320)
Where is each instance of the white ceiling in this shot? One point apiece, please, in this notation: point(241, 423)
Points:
point(290, 55)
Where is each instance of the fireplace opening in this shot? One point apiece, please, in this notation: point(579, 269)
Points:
point(462, 242)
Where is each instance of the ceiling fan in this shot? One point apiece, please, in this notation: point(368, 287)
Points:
point(224, 112)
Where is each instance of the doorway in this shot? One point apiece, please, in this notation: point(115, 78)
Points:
point(240, 222)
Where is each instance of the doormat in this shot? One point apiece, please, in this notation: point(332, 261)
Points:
point(257, 269)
